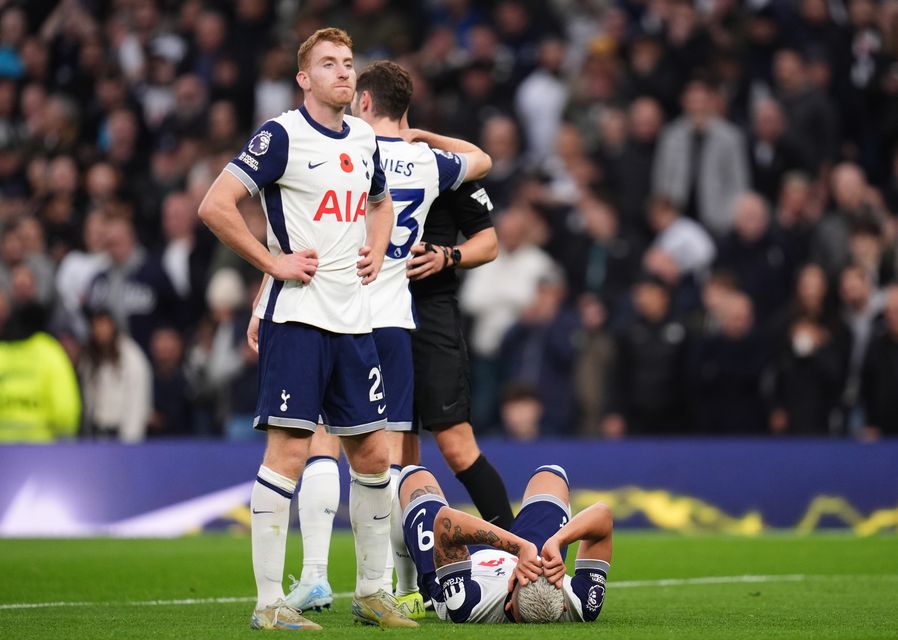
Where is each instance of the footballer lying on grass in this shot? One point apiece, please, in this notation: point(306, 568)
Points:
point(476, 572)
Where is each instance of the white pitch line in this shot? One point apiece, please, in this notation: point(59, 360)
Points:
point(676, 582)
point(621, 584)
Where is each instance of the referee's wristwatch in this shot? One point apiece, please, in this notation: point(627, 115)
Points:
point(455, 254)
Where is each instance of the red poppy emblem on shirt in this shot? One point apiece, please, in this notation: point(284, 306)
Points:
point(346, 162)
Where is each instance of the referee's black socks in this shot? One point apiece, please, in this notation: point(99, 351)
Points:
point(485, 486)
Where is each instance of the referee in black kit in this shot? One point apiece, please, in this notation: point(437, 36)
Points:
point(442, 377)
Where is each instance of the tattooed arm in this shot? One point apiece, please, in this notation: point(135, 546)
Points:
point(454, 530)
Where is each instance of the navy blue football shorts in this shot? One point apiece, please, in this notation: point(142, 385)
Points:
point(394, 348)
point(307, 375)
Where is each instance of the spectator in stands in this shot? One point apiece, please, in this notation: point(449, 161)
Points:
point(811, 362)
point(189, 116)
point(688, 44)
point(479, 99)
point(501, 140)
point(13, 31)
point(701, 163)
point(34, 247)
point(244, 387)
point(14, 253)
point(187, 251)
point(684, 287)
point(494, 295)
point(521, 410)
point(275, 84)
point(121, 143)
point(539, 350)
point(862, 304)
point(39, 399)
point(880, 373)
point(172, 413)
point(210, 43)
point(595, 357)
point(810, 115)
point(60, 210)
point(134, 289)
point(797, 213)
point(753, 254)
point(726, 372)
point(592, 92)
point(117, 382)
point(78, 270)
point(867, 250)
point(602, 259)
point(648, 384)
point(682, 238)
point(773, 151)
point(830, 245)
point(567, 169)
point(216, 357)
point(224, 126)
point(523, 28)
point(631, 177)
point(865, 63)
point(102, 184)
point(540, 100)
point(651, 73)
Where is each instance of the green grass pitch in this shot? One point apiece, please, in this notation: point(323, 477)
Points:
point(661, 586)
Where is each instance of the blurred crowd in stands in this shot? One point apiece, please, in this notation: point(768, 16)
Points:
point(696, 203)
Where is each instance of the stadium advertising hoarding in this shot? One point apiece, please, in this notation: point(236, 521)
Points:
point(739, 486)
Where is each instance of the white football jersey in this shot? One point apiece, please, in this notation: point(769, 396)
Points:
point(315, 185)
point(416, 174)
point(491, 569)
point(584, 593)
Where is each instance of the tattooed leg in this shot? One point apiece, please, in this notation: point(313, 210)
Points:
point(416, 485)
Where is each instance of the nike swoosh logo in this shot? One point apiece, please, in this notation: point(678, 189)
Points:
point(382, 517)
point(254, 511)
point(381, 408)
point(450, 407)
point(315, 166)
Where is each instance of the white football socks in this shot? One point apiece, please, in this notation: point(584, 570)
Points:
point(369, 512)
point(317, 502)
point(406, 574)
point(388, 567)
point(270, 516)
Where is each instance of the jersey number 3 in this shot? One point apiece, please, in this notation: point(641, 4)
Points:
point(413, 198)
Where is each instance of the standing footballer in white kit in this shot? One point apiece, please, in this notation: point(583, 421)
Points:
point(329, 222)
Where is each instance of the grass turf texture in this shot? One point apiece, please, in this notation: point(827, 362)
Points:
point(840, 587)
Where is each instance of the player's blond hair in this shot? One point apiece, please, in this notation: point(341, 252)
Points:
point(330, 34)
point(540, 601)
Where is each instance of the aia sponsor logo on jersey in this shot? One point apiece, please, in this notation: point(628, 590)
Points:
point(331, 206)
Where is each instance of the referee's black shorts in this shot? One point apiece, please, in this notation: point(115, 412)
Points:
point(442, 376)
